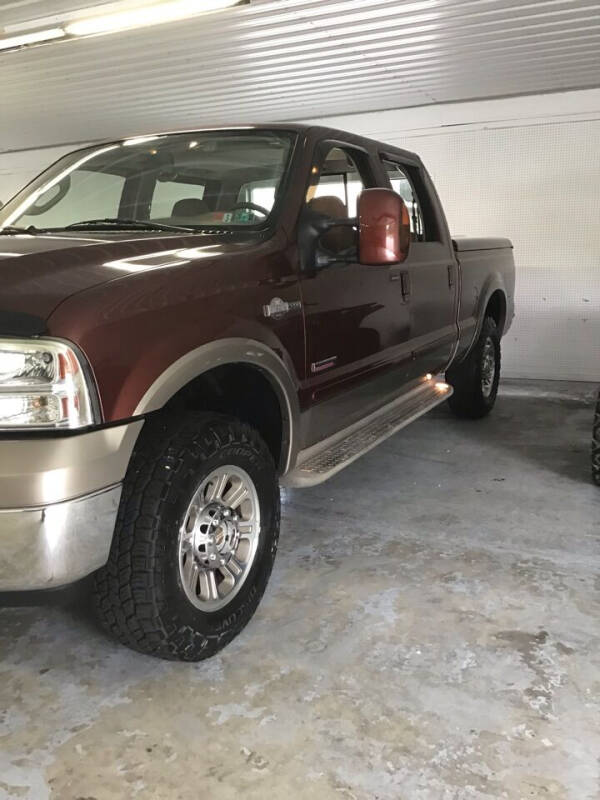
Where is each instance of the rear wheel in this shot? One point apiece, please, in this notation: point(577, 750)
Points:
point(475, 380)
point(596, 444)
point(195, 540)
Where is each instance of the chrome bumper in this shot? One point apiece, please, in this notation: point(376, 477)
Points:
point(55, 545)
point(59, 499)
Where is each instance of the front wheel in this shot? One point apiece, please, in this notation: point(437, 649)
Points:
point(475, 380)
point(195, 540)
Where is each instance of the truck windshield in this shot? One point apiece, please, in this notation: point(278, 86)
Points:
point(208, 179)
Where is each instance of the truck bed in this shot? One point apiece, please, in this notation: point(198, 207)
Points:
point(462, 244)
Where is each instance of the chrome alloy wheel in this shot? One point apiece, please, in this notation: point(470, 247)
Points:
point(488, 367)
point(219, 537)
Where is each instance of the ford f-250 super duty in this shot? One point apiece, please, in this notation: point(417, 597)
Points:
point(188, 321)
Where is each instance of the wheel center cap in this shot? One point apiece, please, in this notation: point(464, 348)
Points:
point(216, 540)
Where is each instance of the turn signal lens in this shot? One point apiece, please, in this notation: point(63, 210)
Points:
point(25, 409)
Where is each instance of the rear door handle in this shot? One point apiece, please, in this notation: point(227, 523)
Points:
point(450, 276)
point(404, 278)
point(405, 284)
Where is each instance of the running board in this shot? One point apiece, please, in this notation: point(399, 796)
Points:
point(319, 462)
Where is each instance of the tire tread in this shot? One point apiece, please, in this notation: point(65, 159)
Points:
point(127, 595)
point(468, 400)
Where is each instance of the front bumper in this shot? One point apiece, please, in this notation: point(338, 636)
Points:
point(58, 505)
point(57, 544)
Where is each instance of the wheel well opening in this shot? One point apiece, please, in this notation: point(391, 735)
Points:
point(240, 391)
point(496, 309)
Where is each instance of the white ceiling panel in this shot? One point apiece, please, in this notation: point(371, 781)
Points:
point(287, 59)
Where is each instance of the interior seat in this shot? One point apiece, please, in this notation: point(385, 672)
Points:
point(189, 208)
point(338, 238)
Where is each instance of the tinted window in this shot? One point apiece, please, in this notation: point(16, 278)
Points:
point(260, 193)
point(198, 179)
point(403, 186)
point(168, 193)
point(338, 175)
point(89, 195)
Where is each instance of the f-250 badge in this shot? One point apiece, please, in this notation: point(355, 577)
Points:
point(278, 308)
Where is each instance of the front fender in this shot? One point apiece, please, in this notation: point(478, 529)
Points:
point(229, 351)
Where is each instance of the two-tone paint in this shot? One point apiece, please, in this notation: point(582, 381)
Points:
point(153, 311)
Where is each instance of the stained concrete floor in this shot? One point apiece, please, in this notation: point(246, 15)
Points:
point(431, 632)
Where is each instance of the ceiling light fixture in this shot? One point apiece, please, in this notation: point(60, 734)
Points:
point(36, 37)
point(152, 14)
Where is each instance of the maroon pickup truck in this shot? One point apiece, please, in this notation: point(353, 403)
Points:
point(189, 321)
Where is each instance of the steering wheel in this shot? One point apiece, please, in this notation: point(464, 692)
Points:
point(252, 207)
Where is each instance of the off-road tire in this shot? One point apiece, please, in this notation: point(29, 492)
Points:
point(138, 595)
point(596, 444)
point(469, 398)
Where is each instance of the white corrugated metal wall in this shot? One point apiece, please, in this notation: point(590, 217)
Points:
point(284, 59)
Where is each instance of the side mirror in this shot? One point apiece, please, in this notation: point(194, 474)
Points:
point(383, 228)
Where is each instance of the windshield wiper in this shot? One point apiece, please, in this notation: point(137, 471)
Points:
point(13, 230)
point(127, 224)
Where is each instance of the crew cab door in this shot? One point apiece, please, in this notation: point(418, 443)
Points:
point(429, 273)
point(357, 325)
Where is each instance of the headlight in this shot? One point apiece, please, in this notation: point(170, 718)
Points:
point(43, 385)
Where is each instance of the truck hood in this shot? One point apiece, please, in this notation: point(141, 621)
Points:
point(38, 272)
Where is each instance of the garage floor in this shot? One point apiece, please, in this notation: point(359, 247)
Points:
point(431, 632)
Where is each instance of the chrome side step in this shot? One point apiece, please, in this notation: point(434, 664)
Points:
point(319, 462)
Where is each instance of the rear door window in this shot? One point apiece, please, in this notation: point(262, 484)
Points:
point(261, 193)
point(402, 184)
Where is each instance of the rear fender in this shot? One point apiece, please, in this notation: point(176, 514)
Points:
point(492, 283)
